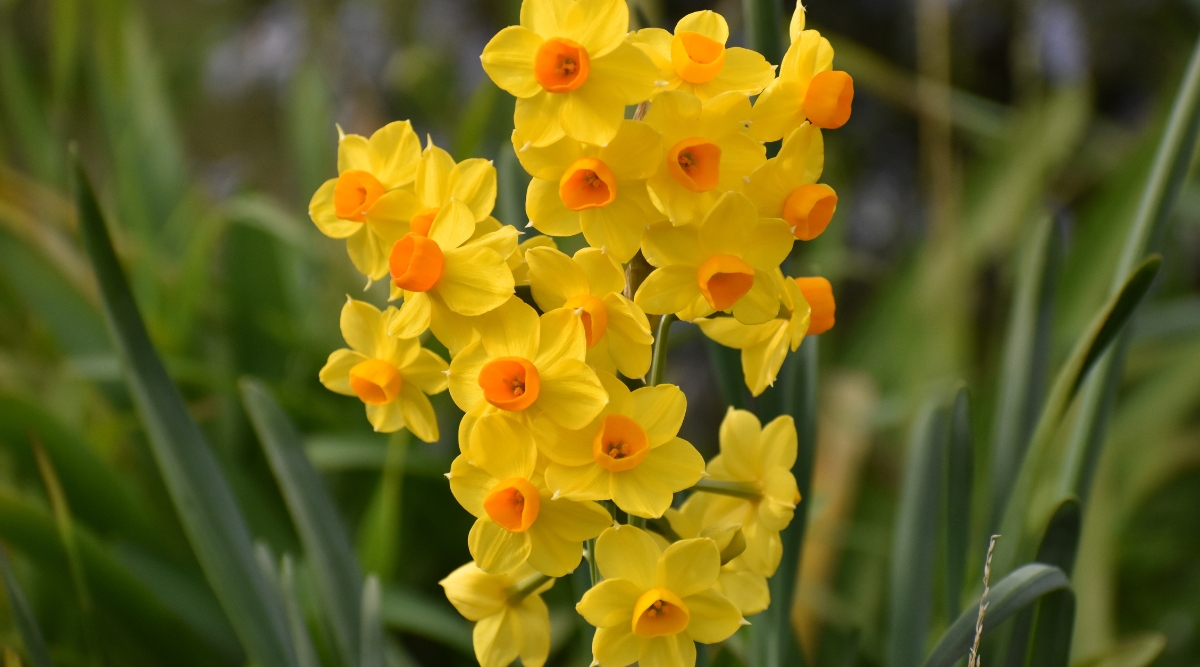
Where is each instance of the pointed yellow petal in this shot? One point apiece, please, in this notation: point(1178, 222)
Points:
point(547, 162)
point(547, 212)
point(618, 227)
point(386, 418)
point(659, 411)
point(554, 277)
point(531, 629)
point(745, 71)
point(545, 17)
point(585, 482)
point(354, 153)
point(474, 280)
point(570, 393)
point(617, 645)
point(473, 182)
point(760, 304)
point(362, 327)
point(688, 567)
point(624, 76)
point(590, 113)
point(599, 25)
point(635, 153)
point(464, 376)
point(646, 491)
point(426, 372)
point(512, 330)
point(739, 436)
point(323, 214)
point(475, 593)
point(503, 447)
point(412, 318)
point(367, 253)
point(496, 550)
point(433, 176)
point(418, 413)
point(746, 590)
point(708, 23)
point(493, 640)
point(452, 226)
point(778, 110)
point(508, 60)
point(713, 617)
point(610, 603)
point(626, 552)
point(668, 651)
point(335, 374)
point(395, 150)
point(536, 118)
point(665, 244)
point(668, 290)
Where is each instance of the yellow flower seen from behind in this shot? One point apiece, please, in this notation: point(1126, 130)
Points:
point(695, 59)
point(786, 185)
point(508, 624)
point(808, 88)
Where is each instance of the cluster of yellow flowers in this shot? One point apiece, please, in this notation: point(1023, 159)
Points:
point(553, 442)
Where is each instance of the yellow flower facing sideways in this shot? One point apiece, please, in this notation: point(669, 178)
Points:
point(524, 365)
point(390, 375)
point(346, 207)
point(630, 453)
point(600, 191)
point(745, 589)
point(764, 346)
point(517, 518)
point(761, 459)
point(509, 622)
point(695, 59)
point(590, 284)
point(807, 88)
point(571, 69)
point(725, 264)
point(786, 185)
point(708, 152)
point(654, 604)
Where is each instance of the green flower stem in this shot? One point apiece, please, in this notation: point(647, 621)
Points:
point(637, 521)
point(525, 587)
point(744, 490)
point(658, 364)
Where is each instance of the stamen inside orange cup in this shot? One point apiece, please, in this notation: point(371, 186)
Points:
point(587, 183)
point(593, 314)
point(375, 382)
point(819, 294)
point(416, 263)
point(828, 100)
point(724, 279)
point(695, 57)
point(695, 163)
point(355, 193)
point(808, 209)
point(659, 613)
point(510, 383)
point(513, 504)
point(619, 444)
point(422, 220)
point(561, 65)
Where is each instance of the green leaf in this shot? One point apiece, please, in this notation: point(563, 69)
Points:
point(1137, 651)
point(911, 588)
point(371, 648)
point(1012, 594)
point(1060, 542)
point(727, 367)
point(408, 611)
point(1053, 630)
point(27, 627)
point(960, 469)
point(379, 533)
point(324, 536)
point(306, 654)
point(765, 26)
point(202, 498)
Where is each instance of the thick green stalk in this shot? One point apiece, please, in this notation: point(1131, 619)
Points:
point(525, 587)
point(658, 363)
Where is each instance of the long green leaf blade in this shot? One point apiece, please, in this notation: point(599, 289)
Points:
point(205, 504)
point(371, 649)
point(1053, 630)
point(325, 539)
point(960, 470)
point(31, 635)
point(407, 611)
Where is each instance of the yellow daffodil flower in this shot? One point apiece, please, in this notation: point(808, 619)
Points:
point(510, 617)
point(764, 346)
point(390, 375)
point(600, 191)
point(517, 518)
point(630, 453)
point(745, 589)
point(725, 264)
point(808, 88)
point(654, 604)
point(786, 186)
point(525, 365)
point(708, 153)
point(518, 261)
point(571, 69)
point(591, 284)
point(819, 294)
point(760, 460)
point(695, 58)
point(346, 207)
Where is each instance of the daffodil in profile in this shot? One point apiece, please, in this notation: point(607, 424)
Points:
point(524, 365)
point(599, 190)
point(695, 58)
point(754, 469)
point(511, 620)
point(708, 152)
point(764, 346)
point(390, 375)
point(571, 69)
point(786, 185)
point(346, 207)
point(590, 284)
point(725, 264)
point(517, 518)
point(630, 453)
point(819, 294)
point(747, 590)
point(654, 604)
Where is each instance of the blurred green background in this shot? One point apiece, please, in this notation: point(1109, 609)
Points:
point(207, 125)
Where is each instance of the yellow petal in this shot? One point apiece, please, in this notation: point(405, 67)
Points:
point(392, 212)
point(547, 162)
point(570, 393)
point(427, 371)
point(536, 118)
point(362, 327)
point(647, 490)
point(626, 552)
point(616, 646)
point(740, 156)
point(395, 150)
point(665, 244)
point(354, 152)
point(558, 534)
point(531, 629)
point(796, 25)
point(746, 590)
point(610, 603)
point(708, 23)
point(452, 226)
point(503, 447)
point(659, 411)
point(778, 506)
point(418, 413)
point(496, 550)
point(475, 593)
point(779, 443)
point(656, 43)
point(731, 333)
point(412, 318)
point(802, 155)
point(433, 176)
point(669, 651)
point(688, 567)
point(590, 113)
point(386, 418)
point(628, 336)
point(474, 280)
point(512, 330)
point(546, 211)
point(562, 337)
point(761, 362)
point(668, 290)
point(730, 226)
point(473, 182)
point(470, 485)
point(624, 76)
point(493, 640)
point(618, 227)
point(508, 60)
point(763, 550)
point(635, 153)
point(760, 304)
point(599, 25)
point(324, 216)
point(572, 448)
point(739, 436)
point(335, 374)
point(451, 329)
point(672, 113)
point(680, 205)
point(554, 277)
point(545, 17)
point(503, 240)
point(713, 617)
point(585, 482)
point(464, 375)
point(368, 253)
point(777, 111)
point(745, 71)
point(603, 274)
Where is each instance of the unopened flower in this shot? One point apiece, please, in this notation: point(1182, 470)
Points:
point(695, 59)
point(510, 622)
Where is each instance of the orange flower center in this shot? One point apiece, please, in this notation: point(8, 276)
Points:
point(696, 58)
point(376, 382)
point(695, 163)
point(416, 263)
point(827, 102)
point(620, 443)
point(561, 65)
point(422, 220)
point(808, 209)
point(819, 294)
point(593, 314)
point(513, 504)
point(587, 183)
point(354, 194)
point(510, 383)
point(659, 613)
point(724, 279)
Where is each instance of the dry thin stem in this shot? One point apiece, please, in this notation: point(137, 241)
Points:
point(973, 654)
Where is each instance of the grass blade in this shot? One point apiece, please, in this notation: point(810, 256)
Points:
point(205, 504)
point(306, 654)
point(325, 539)
point(371, 649)
point(35, 645)
point(410, 612)
point(1013, 593)
point(960, 469)
point(1138, 651)
point(1053, 630)
point(1060, 542)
